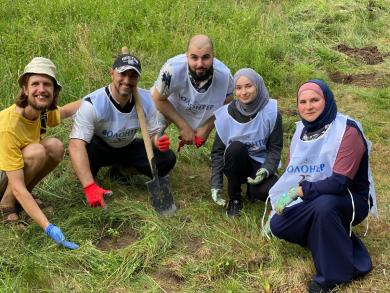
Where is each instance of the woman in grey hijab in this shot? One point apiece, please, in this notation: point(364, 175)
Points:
point(248, 143)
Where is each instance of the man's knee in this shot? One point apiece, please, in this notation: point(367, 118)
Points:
point(166, 163)
point(54, 149)
point(34, 156)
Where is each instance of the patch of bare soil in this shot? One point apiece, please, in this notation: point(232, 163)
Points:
point(122, 240)
point(257, 262)
point(378, 228)
point(192, 244)
point(361, 79)
point(168, 279)
point(369, 55)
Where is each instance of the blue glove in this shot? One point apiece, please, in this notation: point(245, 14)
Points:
point(56, 234)
point(285, 199)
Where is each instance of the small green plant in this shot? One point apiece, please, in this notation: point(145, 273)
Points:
point(113, 233)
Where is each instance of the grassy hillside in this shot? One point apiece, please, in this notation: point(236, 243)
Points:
point(129, 248)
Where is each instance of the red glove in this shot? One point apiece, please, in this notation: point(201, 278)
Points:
point(94, 195)
point(163, 143)
point(181, 144)
point(199, 141)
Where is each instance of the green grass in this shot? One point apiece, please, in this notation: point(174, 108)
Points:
point(198, 249)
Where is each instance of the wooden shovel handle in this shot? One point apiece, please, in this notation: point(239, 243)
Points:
point(141, 118)
point(144, 129)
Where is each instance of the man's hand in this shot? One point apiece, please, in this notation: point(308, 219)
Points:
point(56, 234)
point(162, 143)
point(95, 194)
point(181, 144)
point(285, 199)
point(199, 141)
point(187, 134)
point(215, 194)
point(203, 131)
point(261, 174)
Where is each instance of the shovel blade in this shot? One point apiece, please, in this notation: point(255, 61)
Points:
point(166, 195)
point(161, 196)
point(154, 192)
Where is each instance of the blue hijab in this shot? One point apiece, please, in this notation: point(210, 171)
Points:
point(328, 114)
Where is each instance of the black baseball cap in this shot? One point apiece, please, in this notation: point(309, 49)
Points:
point(126, 62)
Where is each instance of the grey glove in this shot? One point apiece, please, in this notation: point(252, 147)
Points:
point(215, 194)
point(261, 174)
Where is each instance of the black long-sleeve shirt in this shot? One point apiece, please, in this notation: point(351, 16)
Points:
point(274, 148)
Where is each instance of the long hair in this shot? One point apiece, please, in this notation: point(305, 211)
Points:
point(21, 99)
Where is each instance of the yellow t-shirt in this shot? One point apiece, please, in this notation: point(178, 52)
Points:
point(16, 132)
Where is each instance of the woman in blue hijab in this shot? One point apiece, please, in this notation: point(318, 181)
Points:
point(325, 190)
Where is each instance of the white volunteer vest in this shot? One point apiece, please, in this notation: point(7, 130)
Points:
point(196, 108)
point(254, 133)
point(314, 160)
point(117, 129)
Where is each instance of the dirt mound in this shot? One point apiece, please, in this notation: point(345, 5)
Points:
point(369, 55)
point(168, 280)
point(361, 79)
point(113, 242)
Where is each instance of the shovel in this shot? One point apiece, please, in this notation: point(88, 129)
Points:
point(160, 193)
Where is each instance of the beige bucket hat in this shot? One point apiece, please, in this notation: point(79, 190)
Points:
point(40, 65)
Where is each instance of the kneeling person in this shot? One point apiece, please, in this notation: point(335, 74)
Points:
point(248, 142)
point(26, 157)
point(104, 131)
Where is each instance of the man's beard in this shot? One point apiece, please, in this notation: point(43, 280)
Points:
point(202, 77)
point(37, 106)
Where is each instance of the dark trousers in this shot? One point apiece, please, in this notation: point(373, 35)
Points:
point(237, 167)
point(101, 154)
point(322, 224)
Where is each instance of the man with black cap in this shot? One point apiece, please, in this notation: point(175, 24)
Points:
point(104, 129)
point(189, 88)
point(26, 157)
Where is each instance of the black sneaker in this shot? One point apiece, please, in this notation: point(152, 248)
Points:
point(314, 287)
point(234, 208)
point(116, 175)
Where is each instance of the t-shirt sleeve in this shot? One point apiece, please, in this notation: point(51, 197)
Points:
point(53, 117)
point(350, 153)
point(84, 122)
point(11, 157)
point(347, 163)
point(163, 82)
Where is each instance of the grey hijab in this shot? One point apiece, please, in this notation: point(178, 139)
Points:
point(262, 96)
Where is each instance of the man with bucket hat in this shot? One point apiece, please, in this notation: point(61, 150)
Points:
point(104, 130)
point(26, 156)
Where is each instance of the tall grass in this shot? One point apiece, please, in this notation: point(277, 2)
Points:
point(198, 249)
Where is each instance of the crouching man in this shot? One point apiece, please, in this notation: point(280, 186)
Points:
point(26, 157)
point(104, 131)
